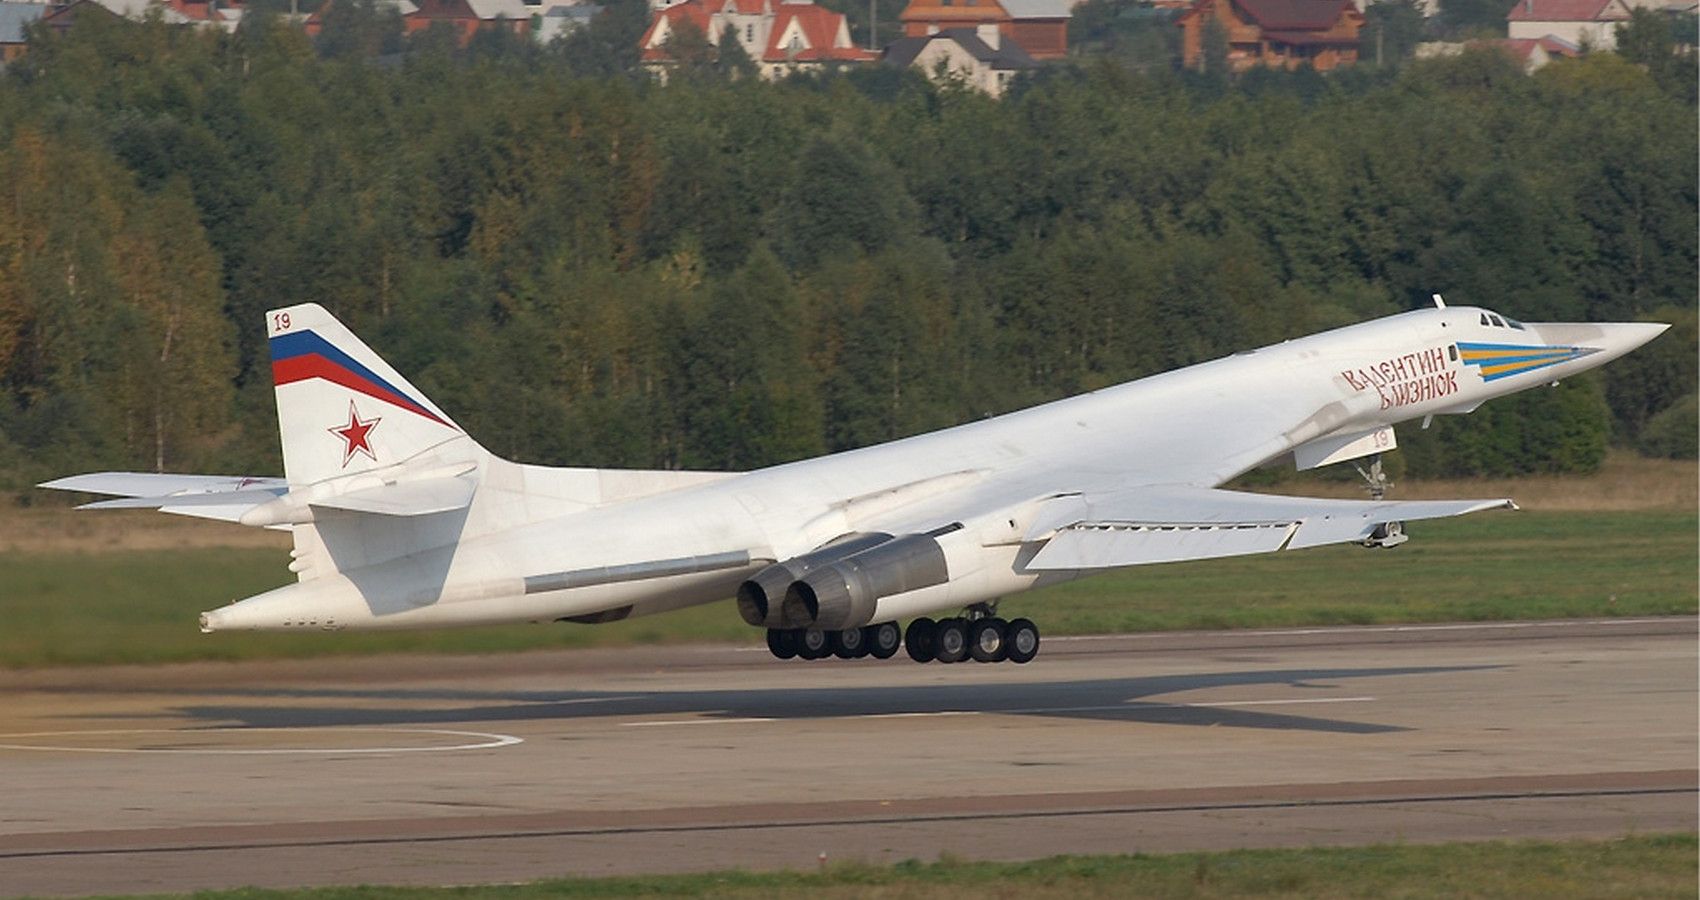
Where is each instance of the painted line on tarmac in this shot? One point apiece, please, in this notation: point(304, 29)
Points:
point(1361, 629)
point(487, 741)
point(1029, 710)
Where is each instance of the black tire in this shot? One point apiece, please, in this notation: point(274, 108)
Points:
point(883, 640)
point(782, 642)
point(986, 641)
point(920, 639)
point(848, 644)
point(1021, 641)
point(952, 641)
point(813, 643)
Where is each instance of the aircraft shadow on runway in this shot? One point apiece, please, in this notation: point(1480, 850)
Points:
point(1132, 700)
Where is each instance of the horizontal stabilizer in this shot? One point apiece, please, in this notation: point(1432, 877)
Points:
point(151, 484)
point(1170, 524)
point(415, 498)
point(222, 497)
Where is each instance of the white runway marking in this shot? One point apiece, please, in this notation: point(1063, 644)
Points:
point(1363, 629)
point(746, 720)
point(486, 741)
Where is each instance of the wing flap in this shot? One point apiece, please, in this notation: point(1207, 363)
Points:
point(1110, 545)
point(1149, 525)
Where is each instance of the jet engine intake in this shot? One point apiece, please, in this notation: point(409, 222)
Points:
point(760, 598)
point(842, 594)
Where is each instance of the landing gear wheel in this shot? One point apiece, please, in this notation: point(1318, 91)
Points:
point(986, 640)
point(812, 643)
point(782, 642)
point(952, 643)
point(848, 644)
point(921, 639)
point(883, 640)
point(1021, 641)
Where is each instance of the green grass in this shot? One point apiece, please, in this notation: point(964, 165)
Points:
point(1651, 866)
point(140, 607)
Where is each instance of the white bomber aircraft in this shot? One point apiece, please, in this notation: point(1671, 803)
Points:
point(401, 520)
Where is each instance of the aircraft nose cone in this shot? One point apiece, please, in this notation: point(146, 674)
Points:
point(1612, 339)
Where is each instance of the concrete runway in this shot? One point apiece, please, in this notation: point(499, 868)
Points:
point(467, 770)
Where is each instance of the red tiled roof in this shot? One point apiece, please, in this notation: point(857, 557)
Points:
point(820, 27)
point(691, 11)
point(1563, 11)
point(1295, 15)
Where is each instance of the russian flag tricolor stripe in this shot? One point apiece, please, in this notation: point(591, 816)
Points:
point(303, 355)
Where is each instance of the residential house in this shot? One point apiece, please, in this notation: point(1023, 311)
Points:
point(468, 17)
point(1585, 23)
point(1288, 34)
point(780, 38)
point(15, 20)
point(223, 14)
point(1531, 53)
point(464, 18)
point(1039, 26)
point(978, 57)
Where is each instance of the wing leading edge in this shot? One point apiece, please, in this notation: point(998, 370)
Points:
point(1174, 523)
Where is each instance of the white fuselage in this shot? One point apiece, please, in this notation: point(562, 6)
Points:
point(1201, 426)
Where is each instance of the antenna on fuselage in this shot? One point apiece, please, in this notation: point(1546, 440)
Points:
point(1438, 303)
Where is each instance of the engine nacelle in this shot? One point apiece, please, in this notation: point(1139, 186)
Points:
point(844, 593)
point(760, 598)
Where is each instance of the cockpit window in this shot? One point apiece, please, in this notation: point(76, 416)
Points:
point(1496, 319)
point(1515, 324)
point(1485, 319)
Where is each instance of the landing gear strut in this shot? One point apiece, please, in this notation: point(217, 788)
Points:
point(1386, 535)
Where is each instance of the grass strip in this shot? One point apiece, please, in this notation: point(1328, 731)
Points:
point(1652, 866)
point(140, 606)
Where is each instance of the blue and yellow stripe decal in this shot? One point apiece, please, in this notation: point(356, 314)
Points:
point(1496, 361)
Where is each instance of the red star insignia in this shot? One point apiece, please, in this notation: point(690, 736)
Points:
point(356, 435)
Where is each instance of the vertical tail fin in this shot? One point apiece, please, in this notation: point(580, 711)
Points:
point(340, 408)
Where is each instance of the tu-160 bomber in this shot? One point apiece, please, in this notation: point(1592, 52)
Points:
point(401, 520)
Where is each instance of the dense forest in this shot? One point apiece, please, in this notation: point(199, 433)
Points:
point(585, 267)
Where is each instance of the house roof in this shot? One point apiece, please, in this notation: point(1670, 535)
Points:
point(820, 28)
point(500, 9)
point(1295, 15)
point(1037, 9)
point(1008, 55)
point(15, 17)
point(1524, 48)
point(1566, 11)
point(818, 31)
point(652, 39)
point(138, 9)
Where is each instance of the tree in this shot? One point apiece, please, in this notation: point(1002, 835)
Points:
point(690, 52)
point(1665, 45)
point(734, 60)
point(1391, 31)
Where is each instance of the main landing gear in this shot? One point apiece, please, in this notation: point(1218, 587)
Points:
point(982, 638)
point(986, 639)
point(879, 641)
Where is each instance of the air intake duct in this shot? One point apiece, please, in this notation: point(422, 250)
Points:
point(842, 594)
point(759, 599)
